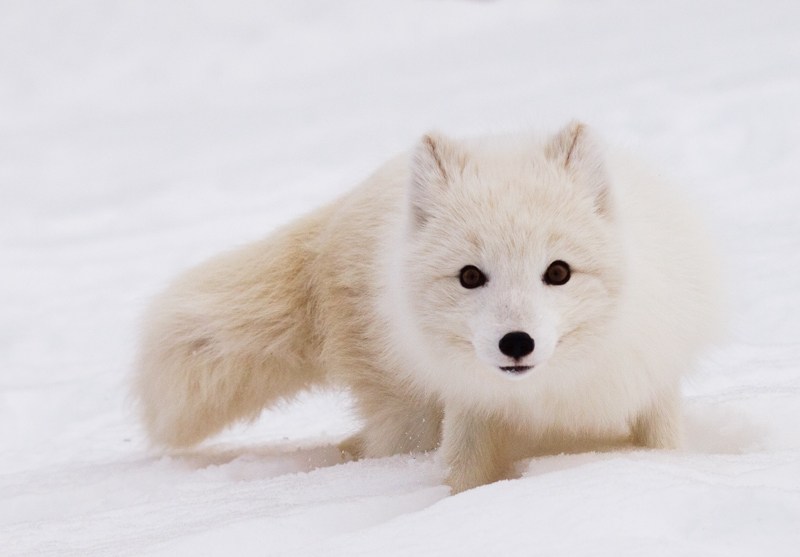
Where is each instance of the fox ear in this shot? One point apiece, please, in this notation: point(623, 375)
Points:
point(436, 162)
point(575, 150)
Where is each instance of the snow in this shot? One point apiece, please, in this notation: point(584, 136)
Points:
point(139, 138)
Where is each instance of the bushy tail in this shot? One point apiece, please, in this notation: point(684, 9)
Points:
point(227, 339)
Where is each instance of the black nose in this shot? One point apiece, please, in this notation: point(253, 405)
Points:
point(516, 345)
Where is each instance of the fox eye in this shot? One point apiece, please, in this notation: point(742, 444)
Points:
point(472, 277)
point(557, 273)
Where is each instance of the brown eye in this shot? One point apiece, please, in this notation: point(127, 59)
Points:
point(472, 277)
point(557, 273)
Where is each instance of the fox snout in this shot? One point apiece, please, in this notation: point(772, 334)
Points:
point(516, 345)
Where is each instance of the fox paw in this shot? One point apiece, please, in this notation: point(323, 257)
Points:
point(352, 448)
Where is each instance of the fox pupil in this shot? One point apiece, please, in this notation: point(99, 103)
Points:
point(557, 273)
point(472, 277)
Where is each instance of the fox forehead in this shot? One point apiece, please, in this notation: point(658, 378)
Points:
point(525, 219)
point(513, 201)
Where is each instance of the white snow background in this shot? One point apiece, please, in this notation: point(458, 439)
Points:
point(139, 138)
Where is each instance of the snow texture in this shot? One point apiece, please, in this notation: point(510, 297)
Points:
point(139, 138)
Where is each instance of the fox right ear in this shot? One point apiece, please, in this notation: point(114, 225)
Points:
point(437, 160)
point(575, 149)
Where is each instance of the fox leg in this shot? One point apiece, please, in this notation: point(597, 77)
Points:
point(475, 449)
point(395, 422)
point(659, 425)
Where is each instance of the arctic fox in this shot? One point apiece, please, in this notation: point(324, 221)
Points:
point(482, 296)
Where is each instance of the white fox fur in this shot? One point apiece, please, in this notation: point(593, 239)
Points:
point(366, 293)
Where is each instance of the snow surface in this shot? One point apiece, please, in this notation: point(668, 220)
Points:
point(139, 138)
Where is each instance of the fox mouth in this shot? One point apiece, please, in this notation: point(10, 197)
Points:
point(515, 369)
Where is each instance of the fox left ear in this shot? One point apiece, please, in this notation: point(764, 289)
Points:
point(436, 162)
point(574, 149)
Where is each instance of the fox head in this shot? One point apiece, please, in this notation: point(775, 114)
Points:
point(511, 248)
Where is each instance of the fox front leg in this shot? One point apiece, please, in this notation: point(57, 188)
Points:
point(474, 448)
point(659, 425)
